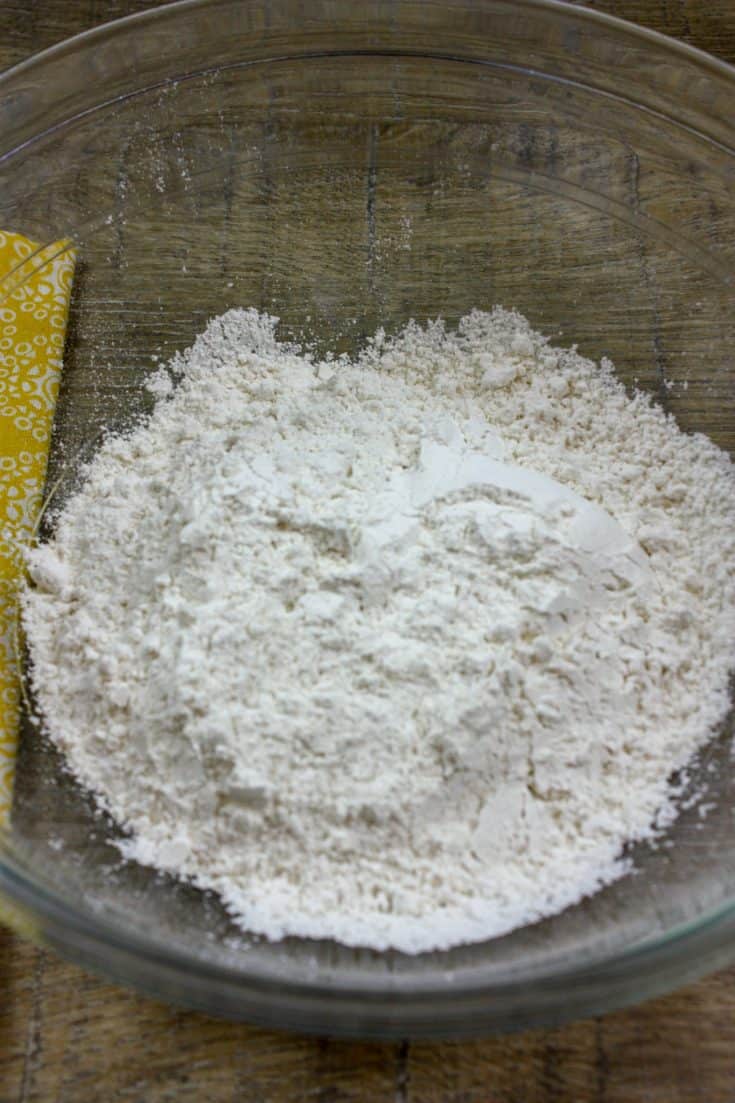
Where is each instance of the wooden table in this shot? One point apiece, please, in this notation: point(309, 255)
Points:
point(68, 1037)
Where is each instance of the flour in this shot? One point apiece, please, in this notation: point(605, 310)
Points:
point(401, 651)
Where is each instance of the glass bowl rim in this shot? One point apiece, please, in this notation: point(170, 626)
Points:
point(712, 931)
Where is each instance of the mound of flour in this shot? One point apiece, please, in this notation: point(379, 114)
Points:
point(399, 651)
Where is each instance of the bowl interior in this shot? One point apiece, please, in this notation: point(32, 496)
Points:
point(350, 171)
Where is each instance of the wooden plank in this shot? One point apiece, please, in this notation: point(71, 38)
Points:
point(66, 1036)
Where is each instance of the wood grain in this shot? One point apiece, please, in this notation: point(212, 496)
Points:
point(67, 1036)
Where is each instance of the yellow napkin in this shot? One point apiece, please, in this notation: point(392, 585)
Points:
point(35, 283)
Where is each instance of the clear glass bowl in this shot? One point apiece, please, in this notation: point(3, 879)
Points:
point(347, 166)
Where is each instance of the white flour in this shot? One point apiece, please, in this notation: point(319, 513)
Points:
point(399, 652)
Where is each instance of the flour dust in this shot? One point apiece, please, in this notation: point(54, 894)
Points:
point(398, 651)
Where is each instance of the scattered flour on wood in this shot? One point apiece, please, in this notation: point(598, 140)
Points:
point(398, 651)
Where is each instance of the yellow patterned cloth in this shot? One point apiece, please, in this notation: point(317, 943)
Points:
point(35, 283)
